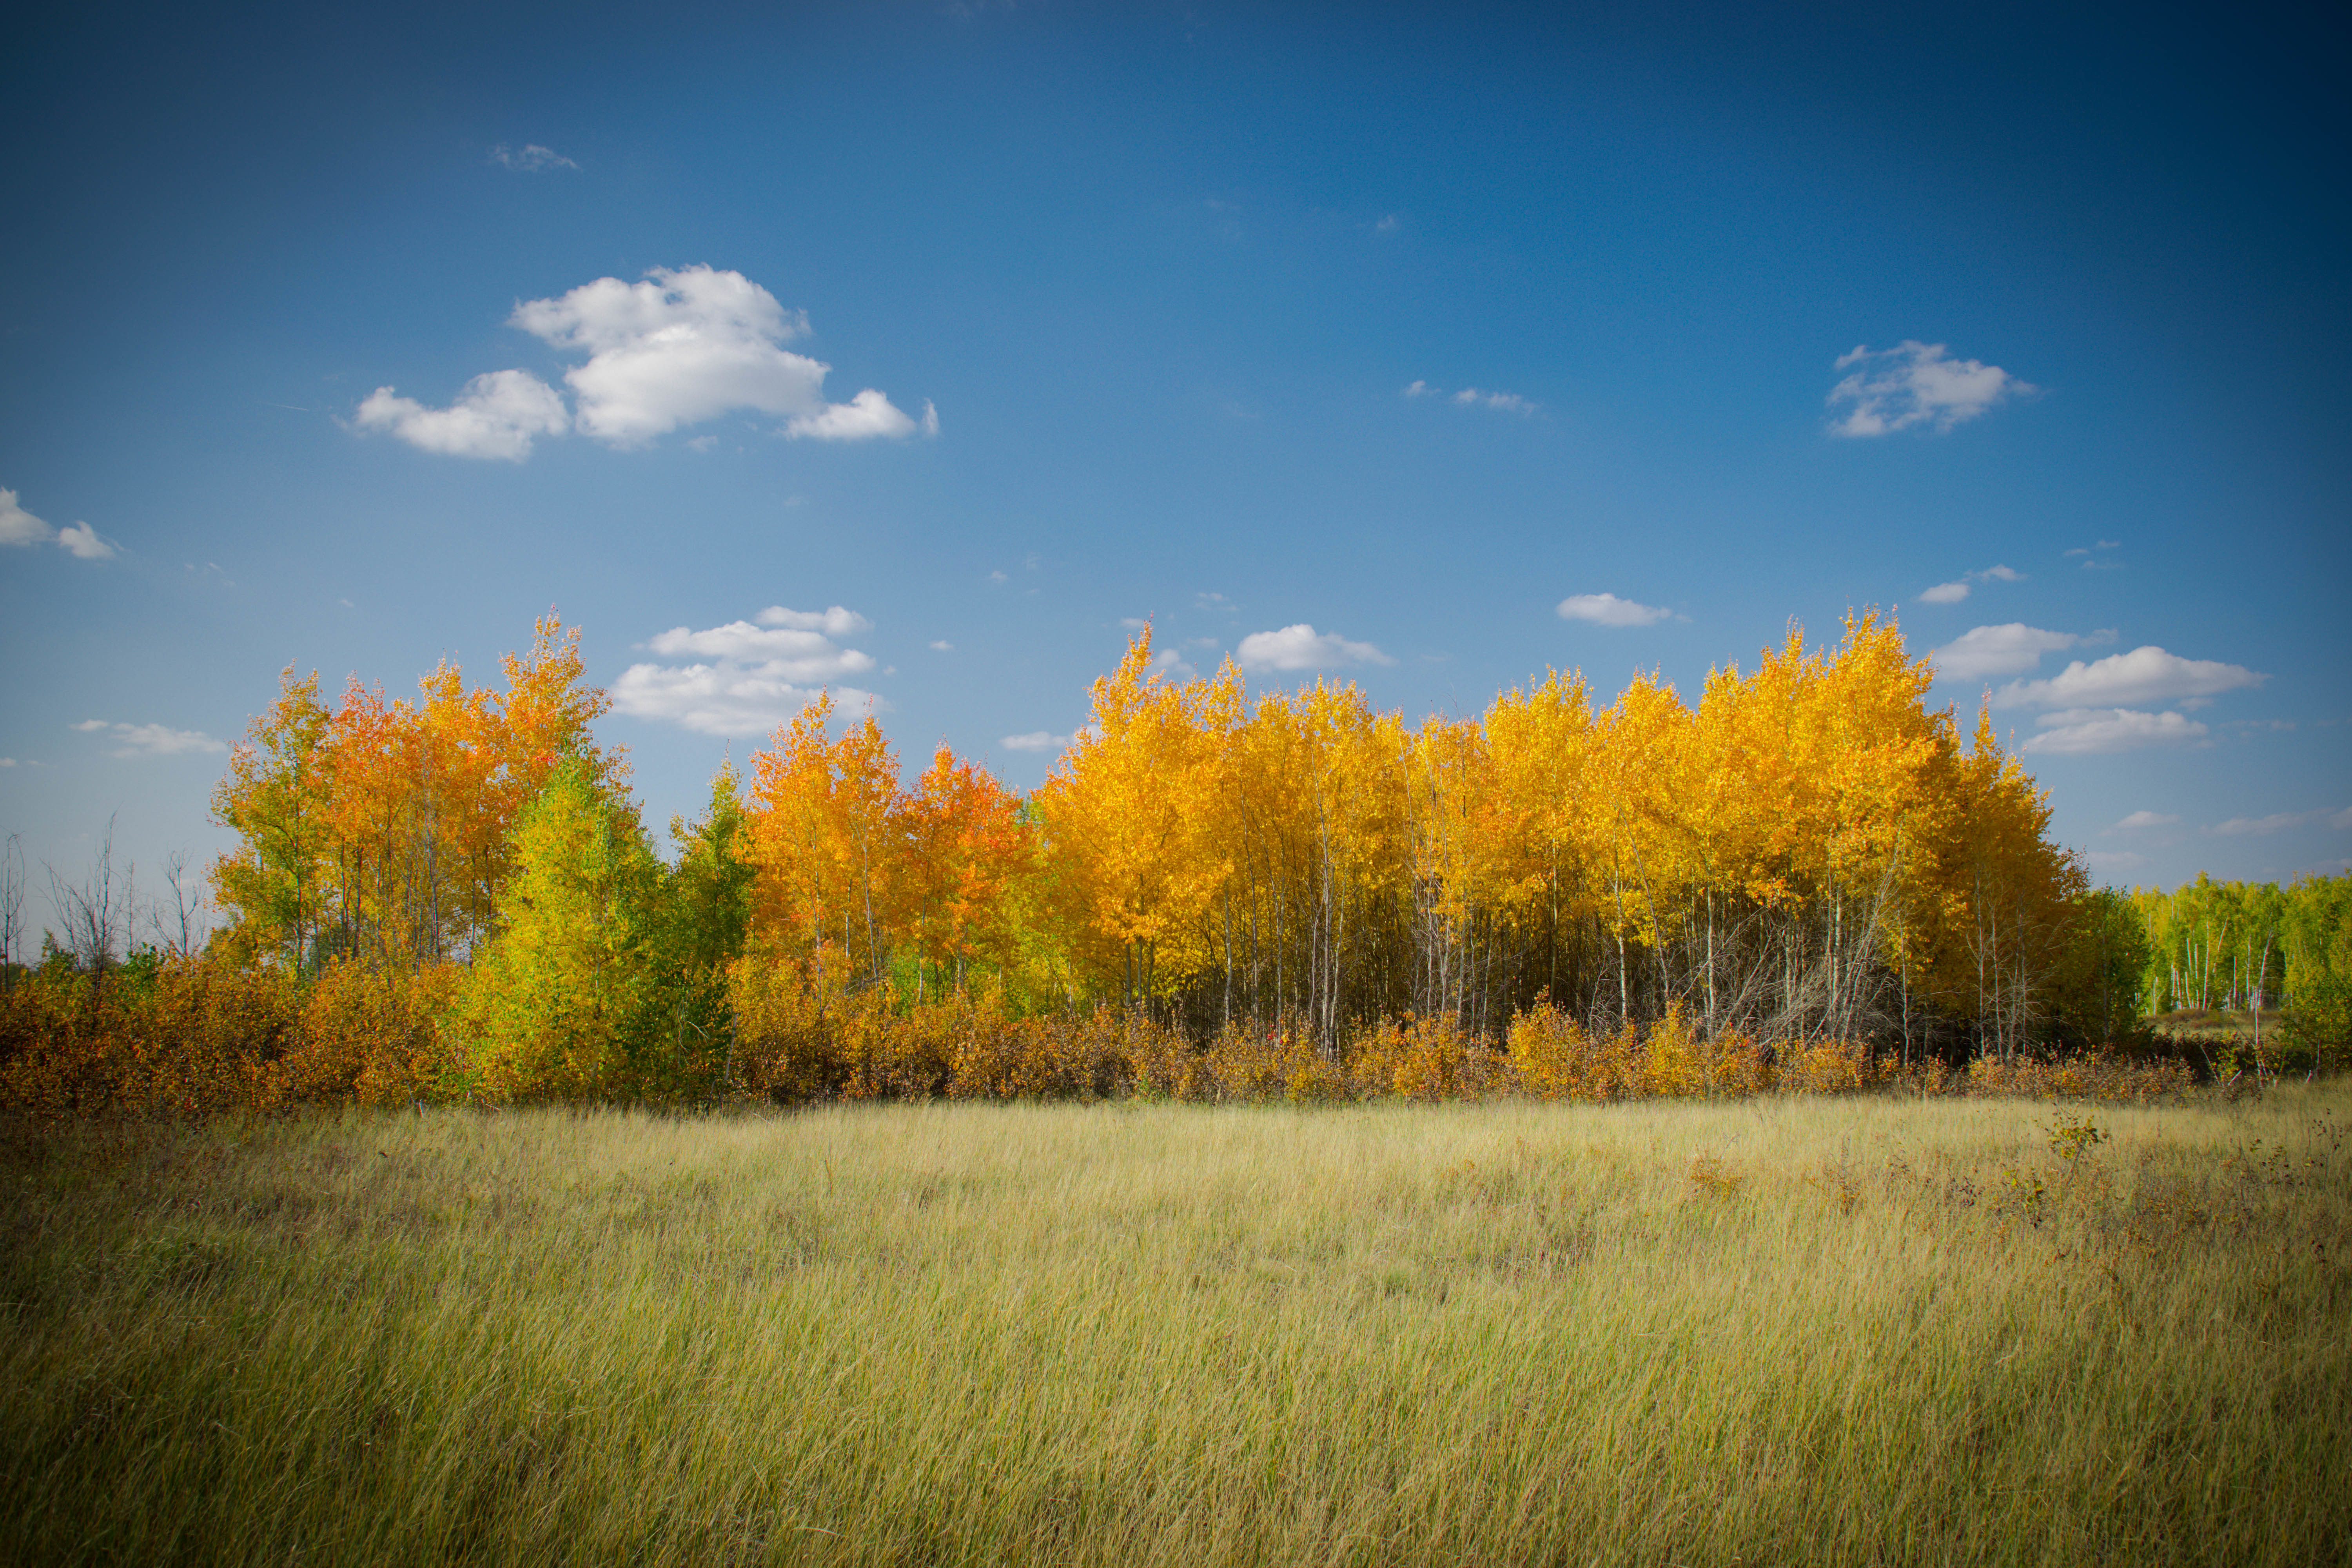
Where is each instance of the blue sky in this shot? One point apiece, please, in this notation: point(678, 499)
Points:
point(1381, 341)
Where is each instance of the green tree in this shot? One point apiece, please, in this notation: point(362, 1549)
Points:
point(2316, 925)
point(567, 999)
point(2099, 978)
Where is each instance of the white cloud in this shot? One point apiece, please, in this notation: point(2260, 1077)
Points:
point(867, 414)
point(689, 344)
point(2240, 826)
point(7, 762)
point(151, 740)
point(796, 656)
point(81, 541)
point(2139, 819)
point(747, 678)
point(1386, 225)
point(942, 646)
point(833, 621)
point(2144, 675)
point(497, 415)
point(1036, 741)
point(1952, 593)
point(685, 346)
point(1419, 389)
point(2007, 649)
point(1914, 384)
point(530, 160)
point(1508, 402)
point(18, 526)
point(2088, 732)
point(1301, 646)
point(1609, 610)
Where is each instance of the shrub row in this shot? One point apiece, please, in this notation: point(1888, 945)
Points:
point(188, 1038)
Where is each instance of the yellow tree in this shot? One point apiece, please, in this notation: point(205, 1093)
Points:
point(1125, 814)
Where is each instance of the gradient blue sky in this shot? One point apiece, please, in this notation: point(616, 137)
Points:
point(1164, 275)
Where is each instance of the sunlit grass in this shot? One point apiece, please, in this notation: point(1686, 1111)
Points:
point(1778, 1331)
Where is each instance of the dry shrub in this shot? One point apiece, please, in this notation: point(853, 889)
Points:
point(1554, 1059)
point(370, 1034)
point(1434, 1058)
point(1823, 1067)
point(165, 1038)
point(2102, 1077)
point(1248, 1062)
point(1677, 1060)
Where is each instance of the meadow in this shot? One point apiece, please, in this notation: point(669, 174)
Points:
point(1867, 1329)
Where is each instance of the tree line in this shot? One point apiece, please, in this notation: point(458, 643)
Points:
point(1808, 856)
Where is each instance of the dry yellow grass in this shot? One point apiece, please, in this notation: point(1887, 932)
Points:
point(1855, 1331)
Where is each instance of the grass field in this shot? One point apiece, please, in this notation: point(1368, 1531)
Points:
point(1857, 1331)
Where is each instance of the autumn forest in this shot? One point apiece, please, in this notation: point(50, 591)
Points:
point(1215, 892)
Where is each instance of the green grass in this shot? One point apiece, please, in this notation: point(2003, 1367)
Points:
point(1863, 1330)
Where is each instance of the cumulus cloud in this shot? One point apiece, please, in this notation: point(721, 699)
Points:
point(1036, 741)
point(682, 346)
point(497, 415)
point(2088, 732)
point(151, 740)
point(1609, 610)
point(2008, 649)
point(2140, 819)
point(941, 645)
point(530, 159)
point(867, 414)
point(747, 678)
point(79, 540)
point(1916, 383)
point(1301, 646)
point(1944, 593)
point(2145, 675)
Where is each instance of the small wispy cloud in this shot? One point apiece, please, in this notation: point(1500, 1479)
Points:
point(941, 645)
point(150, 739)
point(2140, 820)
point(2091, 732)
point(20, 527)
point(1914, 384)
point(2279, 822)
point(1475, 397)
point(1609, 610)
point(1953, 592)
point(1035, 740)
point(529, 159)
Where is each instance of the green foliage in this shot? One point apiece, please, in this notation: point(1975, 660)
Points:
point(567, 999)
point(2318, 928)
point(2099, 979)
